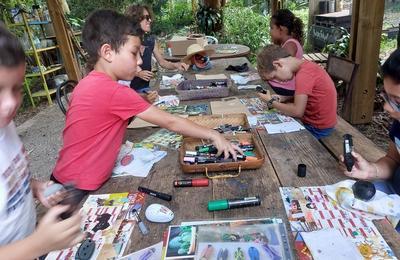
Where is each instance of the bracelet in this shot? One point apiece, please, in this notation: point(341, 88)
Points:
point(376, 170)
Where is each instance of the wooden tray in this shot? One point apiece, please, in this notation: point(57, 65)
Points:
point(214, 121)
point(186, 93)
point(190, 143)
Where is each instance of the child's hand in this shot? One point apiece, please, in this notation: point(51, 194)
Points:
point(152, 96)
point(266, 97)
point(362, 169)
point(145, 75)
point(38, 188)
point(181, 66)
point(55, 234)
point(225, 146)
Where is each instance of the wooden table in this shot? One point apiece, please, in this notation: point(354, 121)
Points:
point(222, 51)
point(283, 153)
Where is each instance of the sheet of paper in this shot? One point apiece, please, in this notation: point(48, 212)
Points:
point(329, 244)
point(211, 76)
point(153, 252)
point(286, 127)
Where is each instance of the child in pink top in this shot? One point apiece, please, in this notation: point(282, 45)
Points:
point(286, 30)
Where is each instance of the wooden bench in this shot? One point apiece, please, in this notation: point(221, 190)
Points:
point(362, 145)
point(317, 57)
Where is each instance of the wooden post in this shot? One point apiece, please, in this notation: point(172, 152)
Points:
point(364, 50)
point(63, 40)
point(313, 9)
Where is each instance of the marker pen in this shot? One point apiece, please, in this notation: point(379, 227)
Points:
point(191, 183)
point(156, 194)
point(142, 226)
point(234, 203)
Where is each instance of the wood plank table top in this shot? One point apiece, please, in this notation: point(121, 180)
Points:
point(283, 152)
point(222, 51)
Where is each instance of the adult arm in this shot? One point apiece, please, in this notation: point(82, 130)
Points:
point(167, 64)
point(381, 169)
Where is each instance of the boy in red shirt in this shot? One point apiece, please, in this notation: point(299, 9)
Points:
point(315, 94)
point(100, 108)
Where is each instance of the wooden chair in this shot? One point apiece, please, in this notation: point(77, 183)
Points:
point(342, 71)
point(63, 93)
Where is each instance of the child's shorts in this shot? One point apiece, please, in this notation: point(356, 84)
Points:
point(319, 133)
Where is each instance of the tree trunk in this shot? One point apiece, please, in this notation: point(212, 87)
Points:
point(214, 4)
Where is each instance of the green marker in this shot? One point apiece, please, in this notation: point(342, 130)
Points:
point(234, 203)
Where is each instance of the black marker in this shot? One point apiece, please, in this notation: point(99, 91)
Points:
point(156, 194)
point(347, 149)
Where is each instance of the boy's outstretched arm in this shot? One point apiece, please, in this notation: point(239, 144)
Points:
point(295, 109)
point(51, 234)
point(188, 128)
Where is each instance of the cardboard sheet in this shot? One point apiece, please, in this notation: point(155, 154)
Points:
point(228, 106)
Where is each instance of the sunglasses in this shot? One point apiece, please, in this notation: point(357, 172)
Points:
point(147, 17)
point(394, 104)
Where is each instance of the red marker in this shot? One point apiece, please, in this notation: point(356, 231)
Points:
point(191, 183)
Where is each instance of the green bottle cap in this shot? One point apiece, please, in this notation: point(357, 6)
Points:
point(217, 205)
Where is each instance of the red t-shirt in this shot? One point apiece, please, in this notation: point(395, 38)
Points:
point(95, 125)
point(313, 81)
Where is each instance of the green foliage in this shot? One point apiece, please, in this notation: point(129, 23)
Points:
point(82, 8)
point(208, 19)
point(172, 17)
point(341, 46)
point(243, 26)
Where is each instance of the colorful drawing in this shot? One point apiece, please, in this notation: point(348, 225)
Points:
point(108, 223)
point(181, 242)
point(309, 208)
point(164, 138)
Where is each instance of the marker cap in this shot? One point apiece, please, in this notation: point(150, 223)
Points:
point(217, 205)
point(301, 170)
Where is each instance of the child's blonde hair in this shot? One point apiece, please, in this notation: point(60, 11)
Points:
point(267, 55)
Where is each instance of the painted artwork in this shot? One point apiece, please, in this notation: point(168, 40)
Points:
point(310, 208)
point(197, 109)
point(164, 138)
point(181, 242)
point(238, 239)
point(108, 222)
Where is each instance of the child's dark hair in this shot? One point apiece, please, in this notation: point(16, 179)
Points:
point(106, 26)
point(135, 12)
point(12, 54)
point(391, 67)
point(268, 55)
point(284, 17)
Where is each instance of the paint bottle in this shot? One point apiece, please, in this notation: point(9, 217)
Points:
point(191, 183)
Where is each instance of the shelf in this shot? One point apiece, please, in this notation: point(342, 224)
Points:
point(10, 25)
point(30, 75)
point(43, 93)
point(42, 49)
